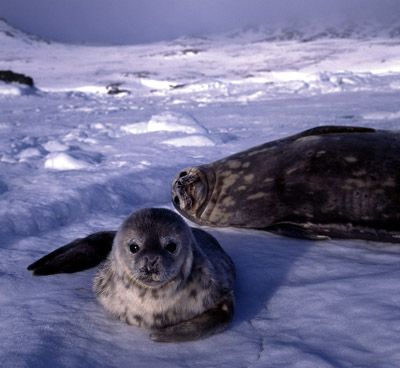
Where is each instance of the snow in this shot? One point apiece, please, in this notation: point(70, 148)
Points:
point(64, 161)
point(75, 160)
point(190, 141)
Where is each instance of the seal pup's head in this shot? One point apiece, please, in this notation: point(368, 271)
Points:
point(153, 247)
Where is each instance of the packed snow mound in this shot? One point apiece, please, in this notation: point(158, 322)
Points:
point(193, 133)
point(155, 84)
point(55, 146)
point(175, 122)
point(30, 152)
point(73, 160)
point(15, 89)
point(190, 141)
point(167, 121)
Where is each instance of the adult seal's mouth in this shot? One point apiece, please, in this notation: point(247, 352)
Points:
point(186, 189)
point(190, 191)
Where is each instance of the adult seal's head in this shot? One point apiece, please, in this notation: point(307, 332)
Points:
point(191, 190)
point(167, 277)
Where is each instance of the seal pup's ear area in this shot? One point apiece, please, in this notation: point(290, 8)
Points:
point(209, 323)
point(81, 254)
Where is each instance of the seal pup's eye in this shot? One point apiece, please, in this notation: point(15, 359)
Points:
point(171, 247)
point(133, 247)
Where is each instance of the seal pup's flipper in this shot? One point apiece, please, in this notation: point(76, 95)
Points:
point(81, 254)
point(200, 327)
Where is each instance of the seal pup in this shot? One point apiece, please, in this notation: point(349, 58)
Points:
point(160, 274)
point(330, 181)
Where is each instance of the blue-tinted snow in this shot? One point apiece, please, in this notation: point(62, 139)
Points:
point(74, 160)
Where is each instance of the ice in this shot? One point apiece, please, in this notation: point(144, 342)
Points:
point(190, 141)
point(54, 146)
point(170, 121)
point(174, 122)
point(92, 89)
point(136, 128)
point(157, 84)
point(14, 89)
point(382, 115)
point(30, 152)
point(75, 160)
point(64, 161)
point(167, 121)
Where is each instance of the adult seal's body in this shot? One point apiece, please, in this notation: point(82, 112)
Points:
point(325, 182)
point(160, 274)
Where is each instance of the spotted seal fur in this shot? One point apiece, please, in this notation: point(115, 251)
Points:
point(160, 274)
point(330, 181)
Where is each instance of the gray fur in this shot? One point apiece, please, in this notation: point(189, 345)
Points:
point(182, 295)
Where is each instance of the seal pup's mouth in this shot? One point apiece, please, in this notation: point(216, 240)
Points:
point(152, 273)
point(152, 279)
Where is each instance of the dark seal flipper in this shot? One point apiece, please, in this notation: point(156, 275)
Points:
point(320, 231)
point(293, 230)
point(81, 254)
point(207, 324)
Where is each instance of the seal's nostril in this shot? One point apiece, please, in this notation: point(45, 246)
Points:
point(176, 200)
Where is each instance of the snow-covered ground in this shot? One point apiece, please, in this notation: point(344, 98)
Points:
point(75, 160)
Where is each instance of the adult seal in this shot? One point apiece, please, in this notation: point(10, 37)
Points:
point(329, 181)
point(160, 274)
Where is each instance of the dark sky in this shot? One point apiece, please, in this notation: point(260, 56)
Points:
point(139, 21)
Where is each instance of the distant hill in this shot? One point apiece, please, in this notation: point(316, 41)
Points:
point(313, 32)
point(286, 32)
point(10, 34)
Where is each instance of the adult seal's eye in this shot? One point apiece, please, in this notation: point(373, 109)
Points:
point(171, 247)
point(134, 247)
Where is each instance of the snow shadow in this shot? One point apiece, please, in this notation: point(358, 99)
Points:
point(263, 262)
point(116, 194)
